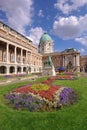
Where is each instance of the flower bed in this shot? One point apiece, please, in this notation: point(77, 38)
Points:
point(70, 73)
point(65, 77)
point(59, 77)
point(14, 75)
point(49, 80)
point(41, 97)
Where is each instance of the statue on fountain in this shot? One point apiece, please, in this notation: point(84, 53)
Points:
point(48, 67)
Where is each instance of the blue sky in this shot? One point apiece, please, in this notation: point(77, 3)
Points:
point(64, 20)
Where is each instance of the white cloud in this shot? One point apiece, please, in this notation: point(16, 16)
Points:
point(70, 27)
point(18, 12)
point(66, 6)
point(40, 13)
point(82, 50)
point(35, 34)
point(82, 40)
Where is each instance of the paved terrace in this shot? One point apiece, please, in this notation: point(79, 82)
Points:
point(22, 79)
point(17, 80)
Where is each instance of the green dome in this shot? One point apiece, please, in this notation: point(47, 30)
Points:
point(45, 37)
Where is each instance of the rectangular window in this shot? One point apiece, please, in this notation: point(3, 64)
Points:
point(4, 57)
point(12, 58)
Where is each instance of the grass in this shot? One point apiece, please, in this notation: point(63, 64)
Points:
point(69, 118)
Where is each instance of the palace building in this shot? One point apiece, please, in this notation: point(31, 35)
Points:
point(69, 59)
point(18, 54)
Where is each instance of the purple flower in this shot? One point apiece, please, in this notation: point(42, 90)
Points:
point(24, 101)
point(67, 96)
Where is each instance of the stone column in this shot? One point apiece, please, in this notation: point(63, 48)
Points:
point(74, 59)
point(26, 57)
point(7, 70)
point(78, 63)
point(21, 55)
point(15, 54)
point(77, 60)
point(63, 61)
point(31, 58)
point(22, 70)
point(15, 69)
point(31, 62)
point(7, 52)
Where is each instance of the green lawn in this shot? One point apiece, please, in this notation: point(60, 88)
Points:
point(69, 118)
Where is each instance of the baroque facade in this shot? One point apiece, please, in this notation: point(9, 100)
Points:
point(18, 54)
point(69, 59)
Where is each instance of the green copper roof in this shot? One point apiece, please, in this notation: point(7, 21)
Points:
point(70, 50)
point(45, 37)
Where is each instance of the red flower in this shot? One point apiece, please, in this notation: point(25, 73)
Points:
point(48, 94)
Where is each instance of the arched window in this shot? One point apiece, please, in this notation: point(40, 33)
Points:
point(69, 65)
point(85, 67)
point(18, 69)
point(24, 69)
point(12, 69)
point(3, 69)
point(29, 69)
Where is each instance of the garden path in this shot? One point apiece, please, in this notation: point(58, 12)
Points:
point(16, 80)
